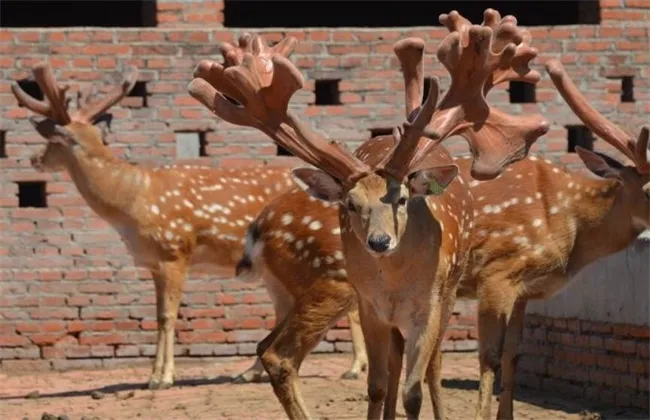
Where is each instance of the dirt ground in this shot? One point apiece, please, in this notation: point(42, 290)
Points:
point(204, 391)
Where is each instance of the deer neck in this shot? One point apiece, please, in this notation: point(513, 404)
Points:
point(602, 225)
point(105, 182)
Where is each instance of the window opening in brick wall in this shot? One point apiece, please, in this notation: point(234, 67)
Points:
point(579, 135)
point(281, 151)
point(521, 92)
point(140, 91)
point(32, 88)
point(399, 13)
point(627, 89)
point(3, 144)
point(32, 194)
point(381, 131)
point(190, 144)
point(327, 92)
point(71, 13)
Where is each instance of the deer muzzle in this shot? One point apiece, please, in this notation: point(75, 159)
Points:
point(379, 243)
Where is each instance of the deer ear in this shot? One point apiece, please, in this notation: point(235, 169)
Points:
point(52, 131)
point(432, 181)
point(103, 123)
point(318, 184)
point(597, 164)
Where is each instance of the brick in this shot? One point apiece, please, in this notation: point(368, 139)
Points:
point(201, 350)
point(74, 364)
point(25, 365)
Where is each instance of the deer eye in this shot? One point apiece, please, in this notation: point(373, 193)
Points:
point(402, 201)
point(351, 206)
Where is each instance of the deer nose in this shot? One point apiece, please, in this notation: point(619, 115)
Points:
point(379, 243)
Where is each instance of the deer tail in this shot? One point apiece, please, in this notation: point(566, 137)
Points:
point(246, 269)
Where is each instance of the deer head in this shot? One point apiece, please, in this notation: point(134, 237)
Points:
point(375, 184)
point(66, 133)
point(632, 180)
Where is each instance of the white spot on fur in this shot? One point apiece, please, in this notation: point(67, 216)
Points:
point(315, 225)
point(537, 222)
point(287, 218)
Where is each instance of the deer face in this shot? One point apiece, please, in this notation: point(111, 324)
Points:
point(62, 142)
point(635, 195)
point(377, 206)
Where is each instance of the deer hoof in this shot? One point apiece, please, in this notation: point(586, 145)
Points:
point(154, 384)
point(165, 385)
point(350, 375)
point(248, 377)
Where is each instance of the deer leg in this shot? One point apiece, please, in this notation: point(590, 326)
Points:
point(420, 347)
point(282, 303)
point(394, 372)
point(434, 381)
point(360, 358)
point(171, 276)
point(378, 353)
point(494, 308)
point(284, 350)
point(434, 368)
point(156, 374)
point(509, 359)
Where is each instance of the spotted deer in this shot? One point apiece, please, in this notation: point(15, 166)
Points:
point(536, 226)
point(170, 217)
point(406, 217)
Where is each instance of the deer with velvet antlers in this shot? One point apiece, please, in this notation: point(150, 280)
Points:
point(170, 218)
point(535, 227)
point(405, 215)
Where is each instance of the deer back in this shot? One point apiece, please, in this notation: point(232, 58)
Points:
point(539, 220)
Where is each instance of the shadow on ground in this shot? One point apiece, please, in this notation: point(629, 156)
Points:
point(586, 409)
point(126, 387)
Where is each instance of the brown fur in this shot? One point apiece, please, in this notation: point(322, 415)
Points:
point(555, 224)
point(170, 218)
point(505, 272)
point(404, 304)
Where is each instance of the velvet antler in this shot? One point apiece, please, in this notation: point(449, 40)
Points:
point(477, 57)
point(263, 80)
point(55, 106)
point(605, 129)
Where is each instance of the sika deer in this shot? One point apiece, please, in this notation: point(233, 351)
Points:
point(404, 213)
point(169, 218)
point(536, 226)
point(550, 224)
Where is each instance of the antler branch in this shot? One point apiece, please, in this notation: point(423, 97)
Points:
point(91, 110)
point(605, 129)
point(477, 57)
point(55, 106)
point(263, 80)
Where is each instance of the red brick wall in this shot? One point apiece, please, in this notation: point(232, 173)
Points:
point(69, 294)
point(596, 360)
